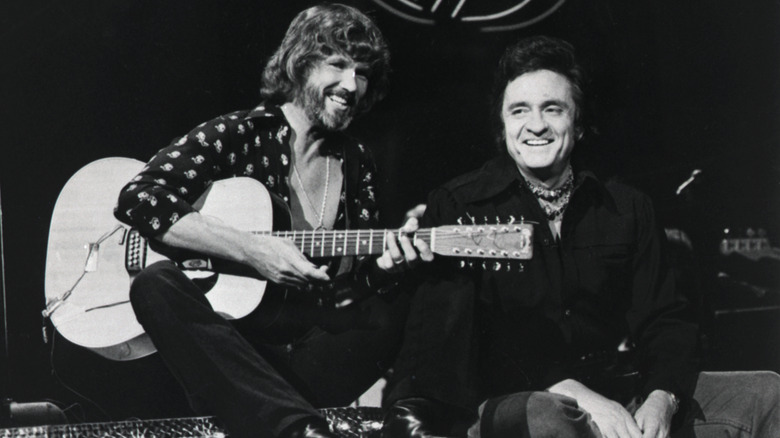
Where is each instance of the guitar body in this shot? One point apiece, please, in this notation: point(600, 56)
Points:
point(97, 314)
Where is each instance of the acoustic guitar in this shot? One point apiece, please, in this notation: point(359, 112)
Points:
point(92, 258)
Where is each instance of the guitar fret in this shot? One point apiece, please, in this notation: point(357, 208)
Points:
point(357, 242)
point(322, 244)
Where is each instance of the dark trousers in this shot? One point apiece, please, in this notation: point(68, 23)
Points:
point(260, 374)
point(724, 404)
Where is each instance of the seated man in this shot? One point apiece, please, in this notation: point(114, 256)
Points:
point(590, 336)
point(264, 375)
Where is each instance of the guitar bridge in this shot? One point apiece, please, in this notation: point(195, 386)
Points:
point(135, 252)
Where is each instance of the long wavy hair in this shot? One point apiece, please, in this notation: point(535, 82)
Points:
point(532, 54)
point(317, 33)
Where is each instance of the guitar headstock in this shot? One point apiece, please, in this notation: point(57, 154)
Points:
point(512, 241)
point(752, 244)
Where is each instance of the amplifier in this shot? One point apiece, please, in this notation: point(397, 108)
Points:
point(196, 427)
point(348, 422)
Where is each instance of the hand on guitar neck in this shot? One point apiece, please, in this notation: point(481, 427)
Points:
point(404, 254)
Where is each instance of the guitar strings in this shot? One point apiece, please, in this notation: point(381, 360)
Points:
point(354, 242)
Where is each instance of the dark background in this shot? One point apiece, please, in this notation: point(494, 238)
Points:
point(678, 86)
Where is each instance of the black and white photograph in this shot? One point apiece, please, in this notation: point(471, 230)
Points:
point(390, 218)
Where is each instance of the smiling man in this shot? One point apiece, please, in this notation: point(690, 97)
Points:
point(588, 338)
point(264, 375)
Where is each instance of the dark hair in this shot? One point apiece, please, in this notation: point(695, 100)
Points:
point(533, 54)
point(319, 32)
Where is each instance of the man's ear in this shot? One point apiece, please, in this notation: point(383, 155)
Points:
point(501, 137)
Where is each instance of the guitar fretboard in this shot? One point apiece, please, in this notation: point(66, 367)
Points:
point(483, 241)
point(332, 243)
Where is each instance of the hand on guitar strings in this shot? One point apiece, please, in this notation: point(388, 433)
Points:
point(277, 259)
point(281, 262)
point(402, 253)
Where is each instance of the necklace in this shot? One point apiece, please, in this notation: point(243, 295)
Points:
point(554, 201)
point(321, 214)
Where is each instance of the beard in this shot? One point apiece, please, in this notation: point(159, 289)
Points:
point(314, 102)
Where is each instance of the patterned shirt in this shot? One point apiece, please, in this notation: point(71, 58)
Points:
point(253, 144)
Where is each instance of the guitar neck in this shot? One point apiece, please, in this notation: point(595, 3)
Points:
point(338, 243)
point(511, 241)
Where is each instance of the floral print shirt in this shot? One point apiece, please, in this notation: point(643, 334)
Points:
point(254, 144)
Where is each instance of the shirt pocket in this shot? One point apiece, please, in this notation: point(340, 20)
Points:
point(605, 269)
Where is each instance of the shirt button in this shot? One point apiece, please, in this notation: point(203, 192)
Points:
point(567, 313)
point(546, 241)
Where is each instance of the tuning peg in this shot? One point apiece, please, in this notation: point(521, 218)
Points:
point(460, 220)
point(497, 266)
point(511, 219)
point(472, 218)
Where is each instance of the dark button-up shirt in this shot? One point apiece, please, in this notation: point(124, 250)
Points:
point(476, 333)
point(253, 144)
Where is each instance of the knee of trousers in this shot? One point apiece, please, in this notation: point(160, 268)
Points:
point(768, 388)
point(533, 414)
point(156, 284)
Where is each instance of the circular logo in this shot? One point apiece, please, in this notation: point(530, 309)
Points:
point(492, 16)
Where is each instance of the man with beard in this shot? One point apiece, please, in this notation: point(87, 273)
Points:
point(266, 374)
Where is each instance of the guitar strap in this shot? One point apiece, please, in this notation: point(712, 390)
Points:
point(352, 175)
point(350, 180)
